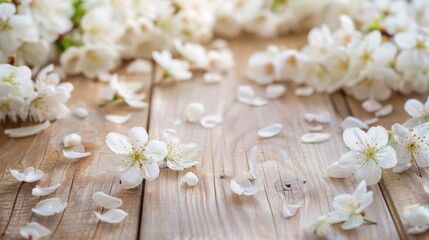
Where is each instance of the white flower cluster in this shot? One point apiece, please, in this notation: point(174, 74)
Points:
point(96, 35)
point(38, 101)
point(139, 158)
point(377, 149)
point(390, 55)
point(30, 28)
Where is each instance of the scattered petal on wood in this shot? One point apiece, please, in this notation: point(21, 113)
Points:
point(190, 178)
point(246, 95)
point(350, 122)
point(27, 131)
point(118, 119)
point(29, 175)
point(426, 188)
point(384, 111)
point(321, 118)
point(212, 77)
point(41, 191)
point(270, 131)
point(104, 76)
point(241, 185)
point(112, 216)
point(275, 91)
point(75, 155)
point(34, 231)
point(49, 207)
point(81, 112)
point(253, 165)
point(304, 91)
point(211, 121)
point(290, 210)
point(106, 200)
point(139, 66)
point(315, 137)
point(371, 121)
point(72, 140)
point(194, 111)
point(371, 105)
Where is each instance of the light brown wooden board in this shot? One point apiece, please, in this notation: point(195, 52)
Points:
point(399, 189)
point(290, 171)
point(79, 178)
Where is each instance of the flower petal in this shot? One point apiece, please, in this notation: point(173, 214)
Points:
point(321, 118)
point(132, 177)
point(34, 231)
point(384, 111)
point(304, 91)
point(156, 151)
point(270, 131)
point(151, 171)
point(212, 77)
point(49, 207)
point(315, 137)
point(353, 222)
point(352, 122)
point(241, 185)
point(275, 91)
point(118, 119)
point(211, 121)
point(27, 131)
point(75, 155)
point(170, 136)
point(138, 137)
point(386, 157)
point(106, 200)
point(289, 210)
point(112, 216)
point(370, 173)
point(194, 111)
point(81, 112)
point(354, 138)
point(190, 178)
point(40, 191)
point(118, 143)
point(139, 66)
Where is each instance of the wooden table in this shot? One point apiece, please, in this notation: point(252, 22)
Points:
point(290, 171)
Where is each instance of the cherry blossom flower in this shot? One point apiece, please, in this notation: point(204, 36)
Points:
point(416, 217)
point(137, 157)
point(173, 68)
point(349, 208)
point(415, 51)
point(123, 91)
point(194, 53)
point(411, 145)
point(321, 226)
point(418, 112)
point(369, 153)
point(180, 156)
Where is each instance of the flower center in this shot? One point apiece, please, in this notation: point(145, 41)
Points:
point(370, 154)
point(421, 45)
point(4, 26)
point(269, 68)
point(9, 79)
point(137, 156)
point(366, 57)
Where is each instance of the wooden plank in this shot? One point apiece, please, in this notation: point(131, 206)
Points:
point(289, 171)
point(399, 189)
point(79, 178)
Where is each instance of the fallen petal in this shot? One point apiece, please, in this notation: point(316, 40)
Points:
point(371, 105)
point(112, 216)
point(41, 191)
point(304, 91)
point(426, 188)
point(75, 155)
point(241, 185)
point(71, 140)
point(315, 137)
point(81, 112)
point(336, 170)
point(270, 131)
point(321, 118)
point(190, 178)
point(139, 66)
point(118, 119)
point(27, 131)
point(212, 77)
point(258, 102)
point(290, 210)
point(350, 122)
point(106, 201)
point(275, 91)
point(211, 121)
point(194, 111)
point(253, 166)
point(29, 175)
point(384, 111)
point(34, 231)
point(49, 207)
point(371, 121)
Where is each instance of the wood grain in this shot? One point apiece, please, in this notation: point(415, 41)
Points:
point(399, 189)
point(79, 178)
point(289, 171)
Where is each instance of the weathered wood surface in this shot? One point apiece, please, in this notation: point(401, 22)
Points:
point(289, 171)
